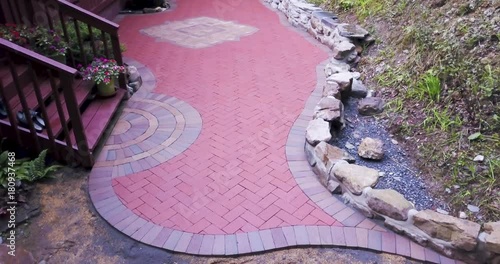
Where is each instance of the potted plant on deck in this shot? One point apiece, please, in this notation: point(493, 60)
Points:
point(103, 72)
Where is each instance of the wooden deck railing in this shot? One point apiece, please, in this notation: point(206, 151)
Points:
point(39, 67)
point(88, 34)
point(94, 6)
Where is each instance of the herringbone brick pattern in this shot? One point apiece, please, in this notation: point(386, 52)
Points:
point(211, 161)
point(235, 177)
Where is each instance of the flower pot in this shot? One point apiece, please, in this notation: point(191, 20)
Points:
point(106, 89)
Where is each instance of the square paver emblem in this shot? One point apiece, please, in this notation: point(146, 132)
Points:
point(200, 32)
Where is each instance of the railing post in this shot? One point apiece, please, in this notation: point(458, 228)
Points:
point(117, 54)
point(76, 120)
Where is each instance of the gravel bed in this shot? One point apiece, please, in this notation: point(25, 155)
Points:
point(396, 166)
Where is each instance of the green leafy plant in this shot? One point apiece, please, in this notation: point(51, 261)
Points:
point(26, 170)
point(50, 43)
point(36, 169)
point(440, 119)
point(430, 86)
point(4, 167)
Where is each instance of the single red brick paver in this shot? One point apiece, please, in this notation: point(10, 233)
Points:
point(403, 246)
point(338, 236)
point(431, 255)
point(388, 242)
point(211, 162)
point(417, 251)
point(351, 239)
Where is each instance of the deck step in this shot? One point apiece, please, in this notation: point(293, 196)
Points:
point(8, 81)
point(82, 91)
point(97, 117)
point(30, 95)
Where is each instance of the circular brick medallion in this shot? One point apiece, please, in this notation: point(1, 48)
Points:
point(121, 127)
point(150, 131)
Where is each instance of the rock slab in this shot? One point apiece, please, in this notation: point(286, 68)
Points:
point(371, 106)
point(358, 89)
point(330, 109)
point(492, 240)
point(330, 155)
point(354, 177)
point(459, 232)
point(390, 203)
point(332, 89)
point(318, 130)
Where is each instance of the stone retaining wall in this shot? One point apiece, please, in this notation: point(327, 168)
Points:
point(454, 237)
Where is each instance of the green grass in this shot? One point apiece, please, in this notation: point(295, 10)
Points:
point(439, 73)
point(428, 87)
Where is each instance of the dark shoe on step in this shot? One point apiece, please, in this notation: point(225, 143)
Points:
point(21, 118)
point(37, 118)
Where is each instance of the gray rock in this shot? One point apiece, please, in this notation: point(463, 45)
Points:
point(331, 89)
point(322, 173)
point(492, 240)
point(441, 211)
point(349, 146)
point(342, 49)
point(371, 106)
point(473, 208)
point(330, 155)
point(318, 130)
point(358, 89)
point(335, 66)
point(354, 177)
point(135, 86)
point(479, 158)
point(352, 31)
point(330, 22)
point(369, 40)
point(309, 151)
point(133, 74)
point(343, 79)
point(461, 233)
point(462, 215)
point(304, 19)
point(371, 148)
point(334, 187)
point(323, 14)
point(389, 203)
point(330, 109)
point(352, 57)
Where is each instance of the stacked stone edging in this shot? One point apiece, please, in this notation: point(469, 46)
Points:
point(454, 237)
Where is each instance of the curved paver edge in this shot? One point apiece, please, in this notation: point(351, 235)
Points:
point(109, 206)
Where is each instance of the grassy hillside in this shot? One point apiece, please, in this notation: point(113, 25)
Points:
point(437, 65)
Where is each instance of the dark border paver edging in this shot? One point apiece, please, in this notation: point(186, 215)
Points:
point(356, 232)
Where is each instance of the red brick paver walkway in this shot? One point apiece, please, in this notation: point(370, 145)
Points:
point(211, 161)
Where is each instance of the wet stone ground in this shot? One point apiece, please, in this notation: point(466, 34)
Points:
point(398, 173)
